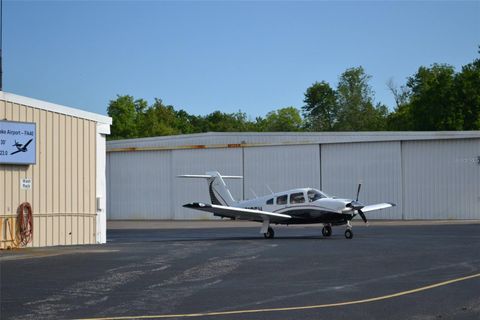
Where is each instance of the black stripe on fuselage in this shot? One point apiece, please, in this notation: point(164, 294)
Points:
point(310, 215)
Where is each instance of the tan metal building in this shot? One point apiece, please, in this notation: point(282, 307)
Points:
point(65, 184)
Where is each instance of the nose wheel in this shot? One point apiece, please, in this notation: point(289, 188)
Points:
point(269, 234)
point(348, 234)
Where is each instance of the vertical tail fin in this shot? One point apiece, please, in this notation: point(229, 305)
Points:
point(217, 189)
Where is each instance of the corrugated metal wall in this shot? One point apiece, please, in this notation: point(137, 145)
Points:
point(441, 179)
point(144, 184)
point(139, 187)
point(63, 179)
point(376, 165)
point(438, 179)
point(281, 168)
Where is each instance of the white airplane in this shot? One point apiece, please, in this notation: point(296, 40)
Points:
point(295, 206)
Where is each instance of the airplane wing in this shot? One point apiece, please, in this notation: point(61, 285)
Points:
point(15, 152)
point(238, 213)
point(378, 206)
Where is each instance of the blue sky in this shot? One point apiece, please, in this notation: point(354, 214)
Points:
point(206, 56)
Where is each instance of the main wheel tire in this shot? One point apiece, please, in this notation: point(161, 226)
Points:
point(348, 234)
point(327, 231)
point(269, 234)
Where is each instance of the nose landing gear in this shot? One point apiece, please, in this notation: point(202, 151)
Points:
point(348, 232)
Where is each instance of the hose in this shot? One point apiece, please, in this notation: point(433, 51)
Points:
point(24, 225)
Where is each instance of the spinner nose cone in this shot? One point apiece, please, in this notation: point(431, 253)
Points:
point(355, 205)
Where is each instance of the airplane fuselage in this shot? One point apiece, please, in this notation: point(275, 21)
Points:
point(305, 205)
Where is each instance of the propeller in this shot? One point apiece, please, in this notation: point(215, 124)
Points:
point(362, 215)
point(360, 210)
point(358, 190)
point(358, 206)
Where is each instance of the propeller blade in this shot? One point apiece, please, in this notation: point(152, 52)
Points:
point(358, 191)
point(362, 215)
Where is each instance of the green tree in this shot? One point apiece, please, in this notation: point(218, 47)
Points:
point(227, 122)
point(185, 122)
point(401, 94)
point(321, 107)
point(432, 102)
point(159, 120)
point(356, 111)
point(467, 87)
point(124, 117)
point(400, 119)
point(282, 120)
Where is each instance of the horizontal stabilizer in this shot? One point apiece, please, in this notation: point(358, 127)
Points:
point(378, 206)
point(206, 176)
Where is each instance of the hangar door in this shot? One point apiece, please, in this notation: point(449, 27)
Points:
point(138, 185)
point(377, 165)
point(442, 179)
point(281, 168)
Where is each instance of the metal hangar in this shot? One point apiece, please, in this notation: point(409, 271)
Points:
point(429, 175)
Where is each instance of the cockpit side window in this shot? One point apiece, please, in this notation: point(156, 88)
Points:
point(314, 195)
point(297, 198)
point(282, 199)
point(270, 201)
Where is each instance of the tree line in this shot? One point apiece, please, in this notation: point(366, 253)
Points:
point(434, 98)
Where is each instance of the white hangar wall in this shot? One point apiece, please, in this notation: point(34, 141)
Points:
point(280, 168)
point(428, 175)
point(145, 184)
point(377, 165)
point(442, 179)
point(138, 182)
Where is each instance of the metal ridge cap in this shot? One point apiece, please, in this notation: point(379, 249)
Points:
point(53, 107)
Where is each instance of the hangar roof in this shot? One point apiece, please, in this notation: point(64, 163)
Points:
point(39, 104)
point(237, 139)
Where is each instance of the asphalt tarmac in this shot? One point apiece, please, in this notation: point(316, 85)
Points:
point(384, 272)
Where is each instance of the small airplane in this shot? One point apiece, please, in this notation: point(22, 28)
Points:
point(21, 147)
point(295, 206)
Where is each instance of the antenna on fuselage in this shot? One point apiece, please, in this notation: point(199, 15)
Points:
point(268, 187)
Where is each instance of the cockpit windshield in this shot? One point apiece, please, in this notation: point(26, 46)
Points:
point(314, 195)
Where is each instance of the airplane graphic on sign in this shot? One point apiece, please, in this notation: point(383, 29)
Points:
point(21, 147)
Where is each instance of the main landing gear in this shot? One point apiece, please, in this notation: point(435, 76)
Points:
point(327, 231)
point(269, 234)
